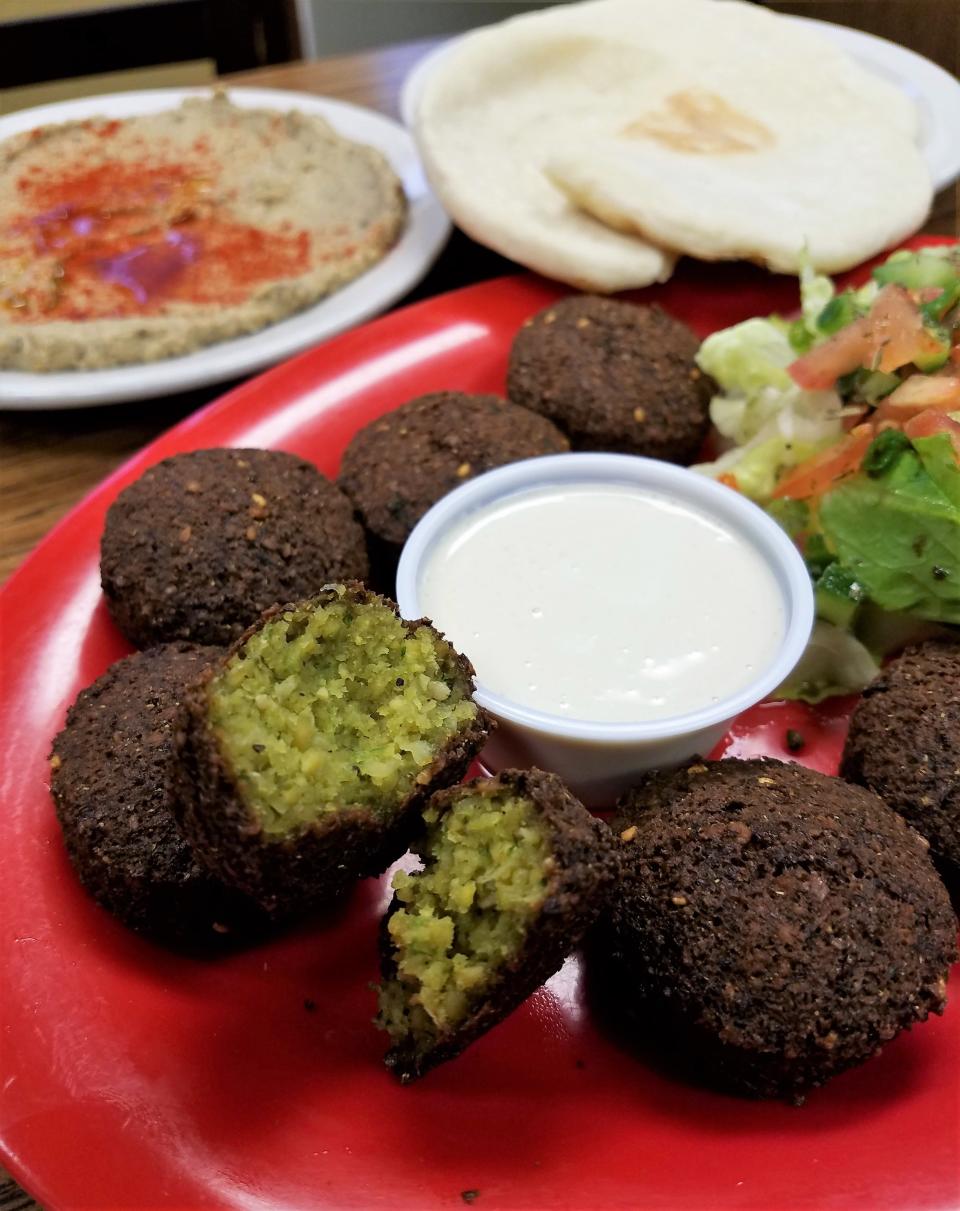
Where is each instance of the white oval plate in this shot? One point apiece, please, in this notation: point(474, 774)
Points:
point(423, 237)
point(934, 91)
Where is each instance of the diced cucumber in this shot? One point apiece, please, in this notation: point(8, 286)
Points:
point(873, 385)
point(935, 359)
point(935, 309)
point(800, 337)
point(847, 383)
point(817, 556)
point(917, 270)
point(840, 311)
point(838, 595)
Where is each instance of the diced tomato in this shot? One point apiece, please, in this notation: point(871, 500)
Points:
point(890, 336)
point(817, 474)
point(932, 422)
point(919, 393)
point(846, 350)
point(897, 332)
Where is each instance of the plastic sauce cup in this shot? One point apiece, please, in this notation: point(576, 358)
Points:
point(597, 759)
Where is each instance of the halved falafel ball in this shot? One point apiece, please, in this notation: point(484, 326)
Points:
point(904, 744)
point(312, 745)
point(773, 926)
point(115, 778)
point(202, 543)
point(401, 464)
point(613, 376)
point(515, 871)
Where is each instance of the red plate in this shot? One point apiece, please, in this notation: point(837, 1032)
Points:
point(135, 1078)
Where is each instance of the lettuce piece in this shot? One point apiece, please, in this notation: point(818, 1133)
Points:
point(748, 357)
point(866, 295)
point(816, 291)
point(834, 662)
point(896, 527)
point(739, 419)
point(790, 515)
point(758, 399)
point(886, 634)
point(940, 463)
point(758, 468)
point(800, 424)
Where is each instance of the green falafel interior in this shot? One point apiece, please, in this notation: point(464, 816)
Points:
point(488, 865)
point(335, 705)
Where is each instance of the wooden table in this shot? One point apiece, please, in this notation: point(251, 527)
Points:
point(48, 460)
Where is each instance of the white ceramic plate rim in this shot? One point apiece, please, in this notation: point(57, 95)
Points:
point(425, 234)
point(934, 91)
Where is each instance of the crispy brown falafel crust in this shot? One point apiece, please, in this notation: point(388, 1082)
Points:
point(904, 744)
point(777, 925)
point(321, 862)
point(582, 880)
point(401, 464)
point(203, 542)
point(114, 781)
point(613, 376)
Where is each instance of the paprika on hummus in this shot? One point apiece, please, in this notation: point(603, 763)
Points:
point(141, 239)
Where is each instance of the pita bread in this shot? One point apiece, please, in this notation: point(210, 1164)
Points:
point(483, 135)
point(710, 127)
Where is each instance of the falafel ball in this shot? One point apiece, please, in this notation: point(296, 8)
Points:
point(773, 924)
point(613, 376)
point(904, 744)
point(401, 464)
point(114, 780)
point(313, 744)
point(515, 871)
point(202, 543)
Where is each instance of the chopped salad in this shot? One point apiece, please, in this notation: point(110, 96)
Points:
point(845, 424)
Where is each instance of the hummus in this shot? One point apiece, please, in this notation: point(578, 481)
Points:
point(136, 240)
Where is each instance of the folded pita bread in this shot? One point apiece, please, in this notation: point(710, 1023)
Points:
point(709, 127)
point(483, 132)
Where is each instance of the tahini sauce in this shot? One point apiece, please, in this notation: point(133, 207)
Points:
point(606, 602)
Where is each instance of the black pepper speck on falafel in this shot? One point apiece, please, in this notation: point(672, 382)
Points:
point(613, 376)
point(778, 925)
point(115, 778)
point(904, 744)
point(203, 542)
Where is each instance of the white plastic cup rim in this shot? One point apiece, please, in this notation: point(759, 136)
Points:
point(738, 512)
